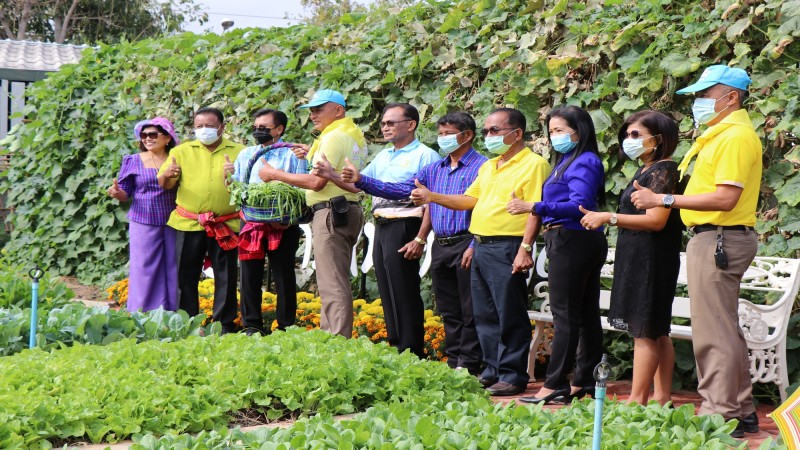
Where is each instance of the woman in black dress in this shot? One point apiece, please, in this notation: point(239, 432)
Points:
point(647, 258)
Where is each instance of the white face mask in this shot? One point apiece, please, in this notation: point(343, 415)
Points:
point(634, 148)
point(206, 136)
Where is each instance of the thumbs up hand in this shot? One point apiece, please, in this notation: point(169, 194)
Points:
point(117, 193)
point(421, 195)
point(323, 168)
point(174, 170)
point(266, 172)
point(228, 168)
point(644, 198)
point(350, 173)
point(517, 205)
point(593, 220)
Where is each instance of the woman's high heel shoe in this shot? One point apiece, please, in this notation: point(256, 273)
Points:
point(547, 398)
point(581, 393)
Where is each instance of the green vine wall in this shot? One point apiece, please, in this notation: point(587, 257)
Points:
point(611, 57)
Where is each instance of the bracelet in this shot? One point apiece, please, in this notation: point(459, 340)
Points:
point(420, 241)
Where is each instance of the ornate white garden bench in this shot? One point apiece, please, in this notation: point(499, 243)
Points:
point(773, 280)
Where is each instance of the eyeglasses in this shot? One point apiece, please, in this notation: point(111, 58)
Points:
point(636, 135)
point(150, 135)
point(392, 123)
point(494, 130)
point(262, 128)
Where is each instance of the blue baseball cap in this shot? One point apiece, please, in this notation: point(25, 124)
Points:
point(719, 74)
point(324, 96)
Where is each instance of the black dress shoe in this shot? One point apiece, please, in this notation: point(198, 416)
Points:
point(581, 393)
point(557, 394)
point(485, 382)
point(501, 389)
point(748, 424)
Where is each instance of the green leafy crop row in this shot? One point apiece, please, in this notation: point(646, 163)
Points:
point(108, 393)
point(478, 425)
point(611, 57)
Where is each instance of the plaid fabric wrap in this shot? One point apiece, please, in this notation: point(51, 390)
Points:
point(251, 240)
point(215, 226)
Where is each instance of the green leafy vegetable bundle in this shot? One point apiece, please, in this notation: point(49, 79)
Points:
point(273, 201)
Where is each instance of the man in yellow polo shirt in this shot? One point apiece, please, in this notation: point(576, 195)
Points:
point(503, 244)
point(338, 217)
point(719, 208)
point(205, 220)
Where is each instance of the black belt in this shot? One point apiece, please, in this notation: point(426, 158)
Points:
point(450, 240)
point(384, 220)
point(325, 205)
point(707, 227)
point(490, 239)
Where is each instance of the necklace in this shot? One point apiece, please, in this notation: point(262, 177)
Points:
point(153, 160)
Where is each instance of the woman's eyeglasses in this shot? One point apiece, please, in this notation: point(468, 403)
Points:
point(150, 135)
point(634, 134)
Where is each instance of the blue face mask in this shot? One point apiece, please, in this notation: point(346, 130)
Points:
point(562, 143)
point(448, 144)
point(206, 136)
point(703, 110)
point(496, 145)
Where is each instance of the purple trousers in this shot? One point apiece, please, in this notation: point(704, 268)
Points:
point(154, 269)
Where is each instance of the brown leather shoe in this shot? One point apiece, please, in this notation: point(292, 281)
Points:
point(501, 389)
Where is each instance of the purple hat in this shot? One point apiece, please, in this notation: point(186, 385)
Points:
point(161, 122)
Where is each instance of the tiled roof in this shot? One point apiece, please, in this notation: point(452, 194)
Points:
point(27, 59)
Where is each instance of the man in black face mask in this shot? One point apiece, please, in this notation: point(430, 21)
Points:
point(258, 241)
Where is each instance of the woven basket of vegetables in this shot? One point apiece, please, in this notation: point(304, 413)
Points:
point(270, 202)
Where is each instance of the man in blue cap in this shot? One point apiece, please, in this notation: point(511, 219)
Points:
point(719, 207)
point(338, 217)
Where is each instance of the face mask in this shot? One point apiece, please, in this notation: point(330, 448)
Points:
point(634, 148)
point(206, 136)
point(262, 136)
point(496, 145)
point(562, 143)
point(703, 110)
point(448, 144)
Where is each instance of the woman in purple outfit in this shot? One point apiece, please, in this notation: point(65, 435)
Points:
point(153, 266)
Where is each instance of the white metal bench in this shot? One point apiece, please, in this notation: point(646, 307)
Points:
point(764, 325)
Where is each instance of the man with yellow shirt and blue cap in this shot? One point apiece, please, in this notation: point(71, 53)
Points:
point(719, 207)
point(338, 217)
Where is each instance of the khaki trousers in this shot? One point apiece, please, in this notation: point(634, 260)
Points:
point(333, 249)
point(719, 345)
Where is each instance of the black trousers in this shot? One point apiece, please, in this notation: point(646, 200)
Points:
point(191, 247)
point(399, 285)
point(576, 257)
point(281, 265)
point(500, 305)
point(452, 290)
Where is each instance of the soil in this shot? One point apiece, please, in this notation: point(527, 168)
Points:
point(85, 292)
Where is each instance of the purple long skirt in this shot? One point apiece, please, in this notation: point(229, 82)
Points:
point(154, 269)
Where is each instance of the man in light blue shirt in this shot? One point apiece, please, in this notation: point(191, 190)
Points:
point(278, 243)
point(399, 233)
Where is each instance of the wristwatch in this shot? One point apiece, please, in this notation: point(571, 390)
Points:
point(420, 241)
point(613, 221)
point(668, 201)
point(528, 247)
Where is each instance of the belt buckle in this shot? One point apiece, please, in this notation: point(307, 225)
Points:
point(479, 239)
